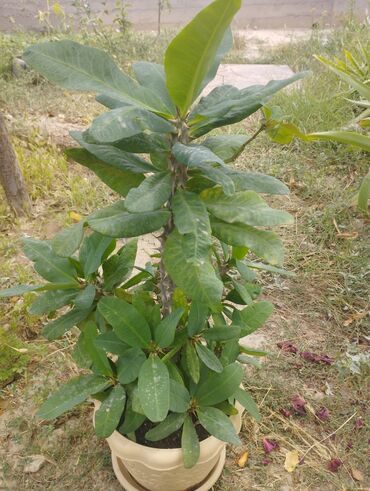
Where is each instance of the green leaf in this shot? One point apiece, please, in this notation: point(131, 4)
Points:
point(152, 193)
point(172, 423)
point(218, 424)
point(51, 301)
point(245, 207)
point(85, 298)
point(208, 358)
point(50, 266)
point(113, 156)
point(125, 122)
point(154, 389)
point(230, 352)
point(190, 56)
point(18, 290)
point(66, 242)
point(198, 157)
point(253, 316)
point(217, 387)
point(240, 294)
point(197, 279)
point(72, 393)
point(227, 147)
point(248, 403)
point(255, 181)
point(129, 365)
point(107, 417)
point(221, 333)
point(226, 104)
point(127, 322)
point(56, 328)
point(119, 266)
point(152, 76)
point(179, 397)
point(346, 137)
point(364, 194)
point(77, 67)
point(98, 357)
point(116, 221)
point(132, 420)
point(146, 143)
point(192, 361)
point(164, 333)
point(198, 315)
point(119, 180)
point(249, 360)
point(189, 444)
point(269, 268)
point(92, 251)
point(263, 243)
point(110, 342)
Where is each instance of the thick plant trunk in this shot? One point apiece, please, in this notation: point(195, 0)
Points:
point(11, 177)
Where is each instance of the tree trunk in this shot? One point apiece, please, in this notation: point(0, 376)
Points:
point(11, 177)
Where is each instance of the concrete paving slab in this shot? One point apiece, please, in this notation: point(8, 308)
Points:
point(241, 75)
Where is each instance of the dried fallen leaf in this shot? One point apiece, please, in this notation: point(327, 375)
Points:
point(243, 459)
point(355, 317)
point(291, 460)
point(357, 475)
point(35, 463)
point(76, 217)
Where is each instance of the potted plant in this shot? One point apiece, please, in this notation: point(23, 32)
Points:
point(159, 345)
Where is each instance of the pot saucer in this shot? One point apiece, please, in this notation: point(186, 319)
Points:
point(129, 484)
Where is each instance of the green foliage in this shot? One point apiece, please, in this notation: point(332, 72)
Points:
point(162, 343)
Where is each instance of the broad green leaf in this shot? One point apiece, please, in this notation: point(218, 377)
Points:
point(136, 403)
point(198, 280)
point(192, 361)
point(227, 147)
point(208, 358)
point(198, 157)
point(218, 424)
point(253, 351)
point(116, 221)
point(240, 294)
point(246, 273)
point(172, 423)
point(226, 104)
point(255, 181)
point(50, 266)
point(120, 180)
point(164, 332)
point(113, 156)
point(189, 444)
point(174, 372)
point(244, 207)
point(152, 76)
point(227, 408)
point(18, 290)
point(77, 67)
point(132, 421)
point(125, 122)
point(269, 268)
point(89, 333)
point(217, 387)
point(263, 243)
point(347, 137)
point(248, 403)
point(118, 267)
point(221, 333)
point(72, 393)
point(151, 194)
point(129, 364)
point(230, 352)
point(61, 325)
point(253, 316)
point(179, 397)
point(51, 301)
point(107, 417)
point(146, 143)
point(110, 342)
point(364, 194)
point(198, 315)
point(154, 389)
point(249, 360)
point(85, 298)
point(190, 56)
point(92, 251)
point(127, 322)
point(109, 101)
point(66, 242)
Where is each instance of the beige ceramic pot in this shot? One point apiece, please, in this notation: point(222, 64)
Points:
point(139, 468)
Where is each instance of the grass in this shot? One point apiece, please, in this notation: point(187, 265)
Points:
point(320, 310)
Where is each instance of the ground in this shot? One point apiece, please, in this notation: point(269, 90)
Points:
point(321, 310)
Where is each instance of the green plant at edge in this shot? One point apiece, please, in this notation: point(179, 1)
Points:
point(161, 342)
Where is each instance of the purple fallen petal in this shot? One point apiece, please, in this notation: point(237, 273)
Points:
point(269, 445)
point(315, 358)
point(359, 423)
point(298, 404)
point(287, 346)
point(285, 412)
point(266, 461)
point(322, 413)
point(334, 465)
